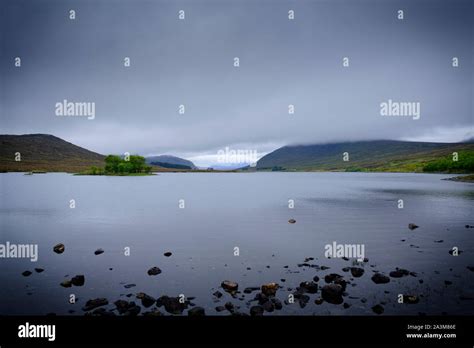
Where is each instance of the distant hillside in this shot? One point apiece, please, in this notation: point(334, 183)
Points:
point(45, 152)
point(381, 155)
point(167, 161)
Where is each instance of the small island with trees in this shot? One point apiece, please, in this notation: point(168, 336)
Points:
point(127, 166)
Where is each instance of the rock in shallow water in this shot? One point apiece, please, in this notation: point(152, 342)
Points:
point(229, 286)
point(196, 312)
point(332, 293)
point(59, 248)
point(269, 289)
point(94, 303)
point(292, 221)
point(379, 278)
point(78, 280)
point(26, 273)
point(378, 309)
point(357, 272)
point(99, 251)
point(412, 226)
point(154, 271)
point(147, 300)
point(168, 254)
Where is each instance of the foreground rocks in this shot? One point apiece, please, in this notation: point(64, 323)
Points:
point(172, 305)
point(332, 293)
point(379, 278)
point(229, 286)
point(269, 289)
point(154, 271)
point(94, 303)
point(59, 248)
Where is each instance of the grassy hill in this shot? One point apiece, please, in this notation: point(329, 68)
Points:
point(379, 156)
point(43, 152)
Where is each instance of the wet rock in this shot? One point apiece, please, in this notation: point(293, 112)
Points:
point(303, 300)
point(411, 299)
point(346, 269)
point(78, 280)
point(318, 301)
point(379, 278)
point(168, 254)
point(378, 309)
point(153, 313)
point(128, 286)
point(469, 226)
point(412, 226)
point(66, 283)
point(398, 273)
point(268, 306)
point(99, 251)
point(196, 312)
point(26, 273)
point(439, 241)
point(310, 287)
point(147, 300)
point(220, 308)
point(59, 248)
point(329, 278)
point(39, 270)
point(292, 221)
point(363, 300)
point(277, 303)
point(122, 306)
point(94, 303)
point(323, 268)
point(256, 311)
point(346, 305)
point(133, 310)
point(229, 286)
point(283, 280)
point(345, 258)
point(269, 289)
point(332, 293)
point(316, 279)
point(172, 304)
point(251, 289)
point(154, 271)
point(448, 282)
point(229, 306)
point(357, 272)
point(217, 294)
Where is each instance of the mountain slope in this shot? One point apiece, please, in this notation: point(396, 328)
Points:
point(45, 152)
point(380, 155)
point(167, 161)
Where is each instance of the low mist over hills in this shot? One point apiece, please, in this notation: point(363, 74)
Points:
point(381, 155)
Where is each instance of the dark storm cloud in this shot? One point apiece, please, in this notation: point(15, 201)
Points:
point(190, 62)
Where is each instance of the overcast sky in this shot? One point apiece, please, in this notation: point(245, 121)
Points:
point(191, 62)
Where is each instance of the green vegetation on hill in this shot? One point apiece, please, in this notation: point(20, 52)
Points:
point(464, 164)
point(364, 156)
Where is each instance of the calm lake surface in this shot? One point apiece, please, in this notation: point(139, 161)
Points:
point(245, 210)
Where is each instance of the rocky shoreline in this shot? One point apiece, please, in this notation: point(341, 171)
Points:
point(326, 285)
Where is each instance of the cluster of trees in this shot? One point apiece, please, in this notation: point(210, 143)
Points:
point(122, 166)
point(464, 164)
